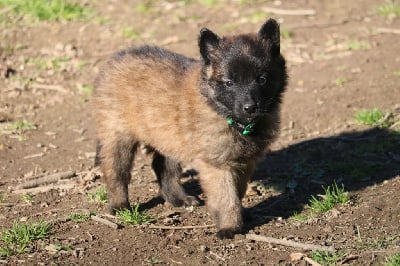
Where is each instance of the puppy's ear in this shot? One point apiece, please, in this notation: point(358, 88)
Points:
point(270, 34)
point(209, 44)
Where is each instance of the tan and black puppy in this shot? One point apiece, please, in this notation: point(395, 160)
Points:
point(218, 114)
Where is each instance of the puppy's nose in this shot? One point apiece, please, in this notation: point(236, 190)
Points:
point(250, 108)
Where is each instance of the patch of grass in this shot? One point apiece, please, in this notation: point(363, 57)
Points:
point(26, 198)
point(257, 17)
point(79, 217)
point(326, 257)
point(99, 196)
point(144, 7)
point(2, 197)
point(19, 238)
point(285, 33)
point(20, 126)
point(208, 2)
point(340, 81)
point(396, 73)
point(134, 216)
point(393, 260)
point(391, 8)
point(298, 217)
point(369, 117)
point(47, 10)
point(333, 196)
point(129, 32)
point(46, 64)
point(87, 89)
point(356, 45)
point(153, 261)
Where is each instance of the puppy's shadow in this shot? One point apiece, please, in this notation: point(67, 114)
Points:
point(191, 186)
point(356, 160)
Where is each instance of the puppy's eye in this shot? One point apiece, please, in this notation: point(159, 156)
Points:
point(261, 80)
point(229, 83)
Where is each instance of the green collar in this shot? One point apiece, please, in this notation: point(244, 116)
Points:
point(244, 129)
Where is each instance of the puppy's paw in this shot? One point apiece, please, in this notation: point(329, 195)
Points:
point(227, 233)
point(183, 201)
point(191, 201)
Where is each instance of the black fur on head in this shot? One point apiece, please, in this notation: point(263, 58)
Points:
point(243, 76)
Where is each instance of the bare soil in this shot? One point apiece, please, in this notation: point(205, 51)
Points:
point(339, 62)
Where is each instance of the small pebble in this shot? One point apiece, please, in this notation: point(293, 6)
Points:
point(203, 248)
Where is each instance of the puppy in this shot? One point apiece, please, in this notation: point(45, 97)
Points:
point(219, 114)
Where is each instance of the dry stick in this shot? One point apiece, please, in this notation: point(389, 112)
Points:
point(48, 87)
point(217, 256)
point(181, 227)
point(34, 155)
point(53, 178)
point(104, 221)
point(290, 12)
point(388, 30)
point(43, 189)
point(289, 243)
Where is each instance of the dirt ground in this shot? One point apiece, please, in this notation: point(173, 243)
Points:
point(340, 59)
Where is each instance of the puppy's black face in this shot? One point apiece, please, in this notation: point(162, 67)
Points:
point(243, 76)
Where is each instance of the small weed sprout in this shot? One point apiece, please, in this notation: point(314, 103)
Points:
point(393, 260)
point(356, 45)
point(26, 198)
point(391, 8)
point(79, 217)
point(326, 257)
point(369, 117)
point(20, 126)
point(340, 81)
point(134, 216)
point(99, 196)
point(129, 32)
point(332, 197)
point(298, 217)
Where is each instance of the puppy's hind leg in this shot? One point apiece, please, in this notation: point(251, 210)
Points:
point(168, 172)
point(116, 157)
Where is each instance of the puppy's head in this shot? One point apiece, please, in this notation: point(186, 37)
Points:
point(243, 76)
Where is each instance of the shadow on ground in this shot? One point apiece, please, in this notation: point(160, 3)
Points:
point(356, 160)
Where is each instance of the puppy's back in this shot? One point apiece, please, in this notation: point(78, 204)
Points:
point(153, 95)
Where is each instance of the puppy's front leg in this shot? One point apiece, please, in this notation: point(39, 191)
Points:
point(223, 200)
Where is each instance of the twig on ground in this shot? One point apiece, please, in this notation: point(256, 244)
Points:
point(48, 87)
point(315, 25)
point(104, 221)
point(43, 189)
point(45, 180)
point(34, 155)
point(394, 125)
point(387, 30)
point(217, 256)
point(7, 204)
point(290, 12)
point(181, 227)
point(289, 243)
